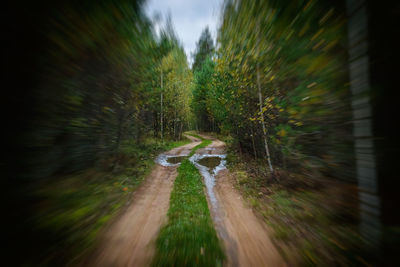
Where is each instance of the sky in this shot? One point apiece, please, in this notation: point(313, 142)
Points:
point(189, 18)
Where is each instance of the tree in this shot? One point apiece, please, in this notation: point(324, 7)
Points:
point(204, 49)
point(280, 79)
point(202, 87)
point(177, 81)
point(203, 71)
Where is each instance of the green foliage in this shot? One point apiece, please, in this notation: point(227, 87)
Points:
point(94, 96)
point(201, 90)
point(96, 99)
point(195, 135)
point(203, 69)
point(177, 79)
point(201, 145)
point(189, 238)
point(298, 49)
point(100, 85)
point(204, 49)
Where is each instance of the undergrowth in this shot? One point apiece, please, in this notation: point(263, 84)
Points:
point(74, 208)
point(314, 222)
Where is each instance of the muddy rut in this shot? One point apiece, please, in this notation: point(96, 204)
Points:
point(246, 239)
point(130, 241)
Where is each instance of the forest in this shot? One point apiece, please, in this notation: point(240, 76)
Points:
point(101, 98)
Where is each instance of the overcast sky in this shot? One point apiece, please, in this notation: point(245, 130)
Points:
point(189, 17)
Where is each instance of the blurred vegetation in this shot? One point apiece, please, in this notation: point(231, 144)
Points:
point(313, 221)
point(277, 87)
point(99, 93)
point(280, 65)
point(89, 127)
point(71, 210)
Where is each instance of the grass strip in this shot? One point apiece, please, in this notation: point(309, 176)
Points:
point(203, 144)
point(189, 238)
point(195, 135)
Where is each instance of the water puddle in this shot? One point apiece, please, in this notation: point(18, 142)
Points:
point(170, 160)
point(175, 160)
point(210, 162)
point(209, 166)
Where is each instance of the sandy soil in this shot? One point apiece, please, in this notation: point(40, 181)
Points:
point(246, 239)
point(245, 236)
point(216, 147)
point(182, 150)
point(130, 240)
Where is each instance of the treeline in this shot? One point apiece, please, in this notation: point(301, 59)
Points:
point(277, 84)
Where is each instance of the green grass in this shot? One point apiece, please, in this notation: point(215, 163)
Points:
point(189, 238)
point(203, 144)
point(195, 135)
point(172, 144)
point(74, 208)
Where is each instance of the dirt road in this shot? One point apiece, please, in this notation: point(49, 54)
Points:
point(130, 240)
point(245, 237)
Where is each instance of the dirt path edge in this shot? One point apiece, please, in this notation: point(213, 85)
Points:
point(245, 237)
point(130, 238)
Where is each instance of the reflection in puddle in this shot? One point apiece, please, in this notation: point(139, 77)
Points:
point(170, 160)
point(175, 160)
point(210, 162)
point(208, 165)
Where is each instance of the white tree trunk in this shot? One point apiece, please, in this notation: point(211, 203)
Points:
point(162, 126)
point(260, 99)
point(262, 119)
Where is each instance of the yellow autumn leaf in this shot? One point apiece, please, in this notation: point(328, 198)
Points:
point(282, 133)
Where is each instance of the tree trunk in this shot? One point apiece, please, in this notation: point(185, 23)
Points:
point(370, 200)
point(262, 119)
point(261, 102)
point(252, 140)
point(175, 124)
point(180, 132)
point(240, 145)
point(119, 131)
point(162, 122)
